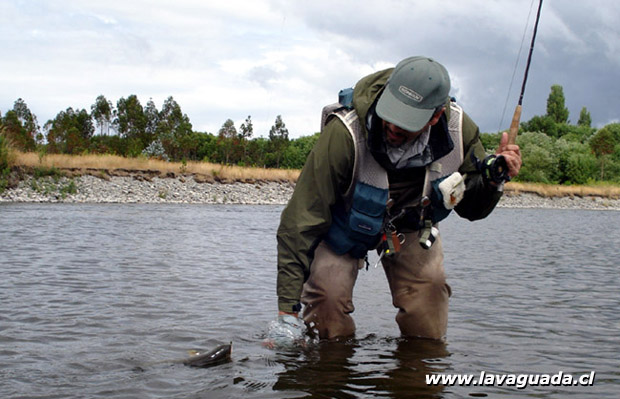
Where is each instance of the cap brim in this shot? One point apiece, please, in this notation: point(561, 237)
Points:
point(392, 110)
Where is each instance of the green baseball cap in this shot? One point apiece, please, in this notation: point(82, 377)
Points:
point(416, 87)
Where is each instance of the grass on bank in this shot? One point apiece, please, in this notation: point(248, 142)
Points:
point(235, 173)
point(113, 162)
point(552, 190)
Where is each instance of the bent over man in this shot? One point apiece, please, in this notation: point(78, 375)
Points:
point(391, 162)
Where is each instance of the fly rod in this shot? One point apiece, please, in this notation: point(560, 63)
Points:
point(516, 118)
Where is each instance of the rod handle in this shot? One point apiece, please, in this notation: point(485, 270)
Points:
point(514, 125)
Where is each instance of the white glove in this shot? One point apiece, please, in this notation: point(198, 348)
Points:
point(286, 331)
point(453, 189)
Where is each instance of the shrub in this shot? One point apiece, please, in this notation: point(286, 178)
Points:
point(155, 150)
point(5, 153)
point(579, 168)
point(6, 161)
point(540, 162)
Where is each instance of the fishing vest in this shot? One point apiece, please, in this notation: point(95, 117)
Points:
point(358, 221)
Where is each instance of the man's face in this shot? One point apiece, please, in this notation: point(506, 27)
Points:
point(396, 136)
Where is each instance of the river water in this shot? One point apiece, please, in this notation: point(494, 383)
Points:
point(97, 301)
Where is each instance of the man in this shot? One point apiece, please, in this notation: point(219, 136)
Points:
point(385, 170)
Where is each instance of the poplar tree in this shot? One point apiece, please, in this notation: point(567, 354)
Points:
point(556, 108)
point(584, 118)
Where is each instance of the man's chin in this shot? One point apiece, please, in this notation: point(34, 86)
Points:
point(394, 143)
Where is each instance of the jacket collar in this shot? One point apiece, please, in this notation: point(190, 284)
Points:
point(439, 143)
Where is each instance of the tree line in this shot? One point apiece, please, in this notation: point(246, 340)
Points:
point(558, 152)
point(553, 149)
point(132, 130)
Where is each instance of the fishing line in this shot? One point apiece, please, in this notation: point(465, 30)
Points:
point(495, 166)
point(529, 57)
point(516, 118)
point(514, 71)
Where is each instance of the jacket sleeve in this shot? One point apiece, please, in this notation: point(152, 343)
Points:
point(307, 217)
point(480, 197)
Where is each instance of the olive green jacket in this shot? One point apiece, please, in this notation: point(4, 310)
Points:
point(326, 177)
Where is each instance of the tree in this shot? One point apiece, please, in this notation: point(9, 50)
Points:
point(584, 118)
point(70, 131)
point(226, 138)
point(295, 154)
point(246, 131)
point(556, 108)
point(257, 152)
point(102, 111)
point(28, 119)
point(206, 147)
point(603, 144)
point(130, 120)
point(175, 130)
point(21, 127)
point(614, 129)
point(545, 124)
point(151, 115)
point(16, 133)
point(278, 136)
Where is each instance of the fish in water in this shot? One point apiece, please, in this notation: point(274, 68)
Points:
point(219, 355)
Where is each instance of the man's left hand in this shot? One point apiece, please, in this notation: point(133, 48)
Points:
point(511, 153)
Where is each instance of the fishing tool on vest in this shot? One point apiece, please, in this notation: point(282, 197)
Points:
point(391, 243)
point(391, 240)
point(428, 232)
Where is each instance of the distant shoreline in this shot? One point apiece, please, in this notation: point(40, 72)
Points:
point(138, 188)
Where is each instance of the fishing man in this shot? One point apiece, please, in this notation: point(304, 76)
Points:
point(391, 162)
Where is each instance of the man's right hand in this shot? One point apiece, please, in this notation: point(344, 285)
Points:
point(288, 330)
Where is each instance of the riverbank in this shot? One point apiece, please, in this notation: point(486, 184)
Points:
point(143, 188)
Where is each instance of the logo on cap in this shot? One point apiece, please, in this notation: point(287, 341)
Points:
point(407, 92)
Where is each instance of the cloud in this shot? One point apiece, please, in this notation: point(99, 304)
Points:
point(265, 58)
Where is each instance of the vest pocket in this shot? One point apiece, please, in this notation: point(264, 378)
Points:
point(367, 210)
point(364, 224)
point(358, 230)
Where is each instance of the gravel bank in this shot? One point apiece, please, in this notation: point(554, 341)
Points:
point(185, 190)
point(182, 190)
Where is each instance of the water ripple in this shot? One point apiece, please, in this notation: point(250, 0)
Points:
point(105, 300)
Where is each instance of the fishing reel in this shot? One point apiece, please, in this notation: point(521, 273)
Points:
point(493, 168)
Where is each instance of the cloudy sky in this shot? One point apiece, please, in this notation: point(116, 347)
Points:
point(234, 58)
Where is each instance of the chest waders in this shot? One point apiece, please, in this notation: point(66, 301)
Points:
point(362, 221)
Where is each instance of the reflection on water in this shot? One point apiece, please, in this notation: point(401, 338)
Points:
point(364, 368)
point(99, 301)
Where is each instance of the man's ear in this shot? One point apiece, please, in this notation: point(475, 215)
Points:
point(436, 116)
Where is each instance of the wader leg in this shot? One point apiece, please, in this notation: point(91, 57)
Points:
point(419, 289)
point(328, 293)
